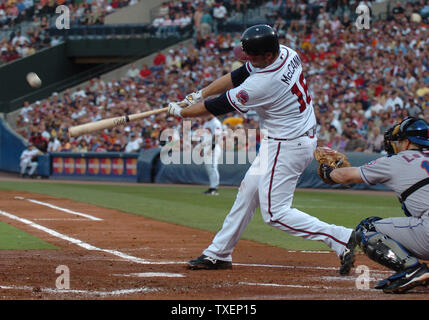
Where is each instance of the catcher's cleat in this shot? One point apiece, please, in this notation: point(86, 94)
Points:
point(381, 284)
point(206, 263)
point(212, 192)
point(348, 256)
point(412, 277)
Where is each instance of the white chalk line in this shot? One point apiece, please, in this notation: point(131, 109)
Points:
point(75, 241)
point(284, 285)
point(136, 260)
point(284, 266)
point(151, 274)
point(59, 208)
point(298, 286)
point(84, 292)
point(60, 219)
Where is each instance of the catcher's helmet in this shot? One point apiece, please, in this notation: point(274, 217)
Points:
point(414, 129)
point(259, 39)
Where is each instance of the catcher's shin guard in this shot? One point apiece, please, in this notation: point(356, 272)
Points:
point(386, 251)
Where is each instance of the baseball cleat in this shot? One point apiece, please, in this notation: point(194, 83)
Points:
point(348, 256)
point(212, 192)
point(381, 284)
point(206, 263)
point(403, 281)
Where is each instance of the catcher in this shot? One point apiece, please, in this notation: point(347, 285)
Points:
point(396, 243)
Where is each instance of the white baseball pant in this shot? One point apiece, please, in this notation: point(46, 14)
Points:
point(211, 163)
point(27, 163)
point(272, 187)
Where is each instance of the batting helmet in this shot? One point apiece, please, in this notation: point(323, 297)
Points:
point(414, 129)
point(259, 39)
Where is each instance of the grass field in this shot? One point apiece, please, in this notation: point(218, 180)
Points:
point(12, 238)
point(186, 205)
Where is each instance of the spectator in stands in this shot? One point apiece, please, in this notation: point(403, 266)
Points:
point(398, 11)
point(39, 142)
point(356, 80)
point(54, 144)
point(196, 17)
point(19, 38)
point(280, 24)
point(393, 100)
point(220, 14)
point(145, 71)
point(206, 21)
point(413, 108)
point(272, 8)
point(356, 142)
point(133, 71)
point(82, 146)
point(135, 143)
point(164, 9)
point(159, 60)
point(184, 24)
point(166, 27)
point(338, 142)
point(375, 141)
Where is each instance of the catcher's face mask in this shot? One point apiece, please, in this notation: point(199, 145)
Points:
point(390, 136)
point(414, 129)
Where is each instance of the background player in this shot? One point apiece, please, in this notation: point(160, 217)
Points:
point(28, 161)
point(211, 161)
point(271, 83)
point(397, 242)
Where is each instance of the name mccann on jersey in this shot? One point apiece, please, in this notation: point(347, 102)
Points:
point(294, 64)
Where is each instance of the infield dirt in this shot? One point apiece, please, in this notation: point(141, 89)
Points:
point(154, 266)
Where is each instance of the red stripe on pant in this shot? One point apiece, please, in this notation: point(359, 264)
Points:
point(289, 227)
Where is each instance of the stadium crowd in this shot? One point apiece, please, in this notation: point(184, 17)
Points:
point(38, 17)
point(361, 82)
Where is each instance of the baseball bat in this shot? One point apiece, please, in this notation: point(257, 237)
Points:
point(110, 122)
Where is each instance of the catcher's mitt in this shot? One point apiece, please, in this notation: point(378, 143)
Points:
point(329, 160)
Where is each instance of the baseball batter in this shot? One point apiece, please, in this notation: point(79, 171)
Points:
point(211, 161)
point(397, 243)
point(273, 84)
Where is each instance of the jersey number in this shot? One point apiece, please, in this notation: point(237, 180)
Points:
point(296, 91)
point(425, 165)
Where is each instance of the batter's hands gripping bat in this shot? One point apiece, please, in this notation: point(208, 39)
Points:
point(110, 123)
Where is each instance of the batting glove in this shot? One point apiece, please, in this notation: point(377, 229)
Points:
point(192, 98)
point(174, 109)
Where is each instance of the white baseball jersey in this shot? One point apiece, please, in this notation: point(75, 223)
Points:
point(287, 111)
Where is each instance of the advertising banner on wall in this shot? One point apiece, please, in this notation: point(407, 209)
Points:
point(101, 166)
